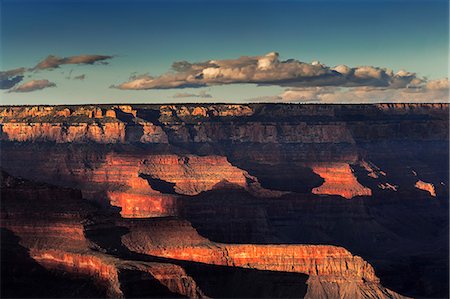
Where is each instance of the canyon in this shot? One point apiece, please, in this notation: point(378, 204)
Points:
point(225, 200)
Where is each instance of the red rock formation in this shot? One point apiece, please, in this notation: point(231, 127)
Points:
point(372, 170)
point(127, 109)
point(263, 124)
point(52, 229)
point(193, 174)
point(339, 180)
point(101, 269)
point(326, 265)
point(426, 187)
point(110, 113)
point(105, 270)
point(63, 133)
point(119, 177)
point(181, 111)
point(153, 133)
point(388, 186)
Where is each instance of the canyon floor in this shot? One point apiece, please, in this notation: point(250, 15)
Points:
point(225, 201)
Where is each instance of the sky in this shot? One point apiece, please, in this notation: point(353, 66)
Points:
point(126, 51)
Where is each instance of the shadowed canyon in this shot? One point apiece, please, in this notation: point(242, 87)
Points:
point(225, 201)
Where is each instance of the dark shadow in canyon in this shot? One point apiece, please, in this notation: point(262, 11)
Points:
point(124, 116)
point(150, 115)
point(283, 177)
point(23, 277)
point(406, 244)
point(139, 284)
point(159, 185)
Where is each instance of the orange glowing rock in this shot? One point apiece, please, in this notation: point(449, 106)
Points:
point(372, 170)
point(142, 205)
point(339, 180)
point(191, 174)
point(426, 187)
point(200, 111)
point(63, 133)
point(105, 270)
point(110, 113)
point(327, 266)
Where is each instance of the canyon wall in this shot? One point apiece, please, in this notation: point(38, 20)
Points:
point(166, 194)
point(256, 123)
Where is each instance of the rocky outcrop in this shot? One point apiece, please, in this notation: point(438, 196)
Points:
point(52, 227)
point(119, 178)
point(111, 272)
point(328, 267)
point(339, 180)
point(190, 175)
point(63, 133)
point(426, 187)
point(101, 269)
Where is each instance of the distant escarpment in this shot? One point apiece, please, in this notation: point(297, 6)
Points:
point(256, 123)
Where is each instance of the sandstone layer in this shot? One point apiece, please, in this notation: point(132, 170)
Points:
point(273, 200)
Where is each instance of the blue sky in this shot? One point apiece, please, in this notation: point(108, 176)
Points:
point(148, 36)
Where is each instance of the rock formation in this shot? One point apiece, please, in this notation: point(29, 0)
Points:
point(339, 180)
point(333, 271)
point(426, 187)
point(218, 200)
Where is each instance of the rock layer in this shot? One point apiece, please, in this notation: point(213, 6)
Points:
point(256, 181)
point(327, 266)
point(339, 180)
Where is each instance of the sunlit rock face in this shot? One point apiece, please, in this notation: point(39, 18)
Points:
point(426, 187)
point(339, 180)
point(228, 200)
point(332, 271)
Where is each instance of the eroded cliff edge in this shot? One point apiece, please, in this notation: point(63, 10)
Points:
point(370, 178)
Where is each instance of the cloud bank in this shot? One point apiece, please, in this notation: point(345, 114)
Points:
point(201, 94)
point(434, 91)
point(33, 85)
point(269, 70)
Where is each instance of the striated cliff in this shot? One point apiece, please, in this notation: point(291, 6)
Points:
point(92, 249)
point(212, 123)
point(317, 201)
point(333, 271)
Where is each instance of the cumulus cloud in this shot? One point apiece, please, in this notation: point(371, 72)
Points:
point(434, 91)
point(33, 85)
point(201, 94)
point(52, 61)
point(10, 78)
point(270, 70)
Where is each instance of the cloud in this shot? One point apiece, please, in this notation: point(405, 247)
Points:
point(10, 78)
point(33, 85)
point(269, 70)
point(434, 91)
point(80, 77)
point(52, 61)
point(201, 94)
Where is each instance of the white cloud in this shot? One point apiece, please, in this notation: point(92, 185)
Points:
point(269, 70)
